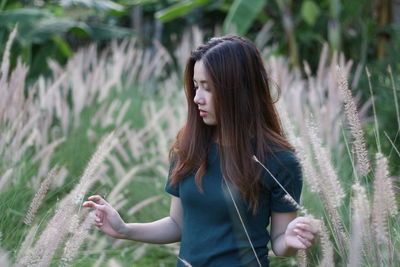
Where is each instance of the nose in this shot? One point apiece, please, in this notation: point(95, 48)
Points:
point(199, 97)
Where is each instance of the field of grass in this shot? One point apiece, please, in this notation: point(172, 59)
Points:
point(103, 124)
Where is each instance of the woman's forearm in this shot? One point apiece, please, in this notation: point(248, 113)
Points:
point(163, 231)
point(280, 248)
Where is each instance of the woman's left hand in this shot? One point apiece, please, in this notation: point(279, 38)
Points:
point(300, 233)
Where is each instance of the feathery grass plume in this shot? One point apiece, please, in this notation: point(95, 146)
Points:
point(140, 252)
point(39, 196)
point(331, 191)
point(122, 112)
point(5, 64)
point(58, 227)
point(361, 153)
point(74, 225)
point(4, 260)
point(311, 175)
point(72, 246)
point(116, 165)
point(48, 149)
point(143, 204)
point(100, 260)
point(326, 247)
point(126, 178)
point(124, 201)
point(192, 37)
point(185, 262)
point(309, 171)
point(360, 225)
point(121, 152)
point(60, 178)
point(302, 258)
point(384, 203)
point(317, 95)
point(113, 263)
point(290, 199)
point(52, 236)
point(87, 178)
point(285, 120)
point(330, 186)
point(23, 251)
point(13, 99)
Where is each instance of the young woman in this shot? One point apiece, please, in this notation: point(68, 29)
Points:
point(222, 199)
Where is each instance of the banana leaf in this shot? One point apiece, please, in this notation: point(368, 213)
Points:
point(104, 5)
point(241, 15)
point(179, 10)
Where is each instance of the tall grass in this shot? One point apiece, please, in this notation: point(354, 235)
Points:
point(56, 149)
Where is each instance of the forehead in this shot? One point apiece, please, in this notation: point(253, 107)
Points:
point(200, 73)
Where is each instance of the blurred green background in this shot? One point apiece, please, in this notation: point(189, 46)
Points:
point(367, 31)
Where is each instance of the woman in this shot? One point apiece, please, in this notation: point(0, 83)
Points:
point(223, 200)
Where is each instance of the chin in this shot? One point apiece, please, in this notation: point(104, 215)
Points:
point(210, 123)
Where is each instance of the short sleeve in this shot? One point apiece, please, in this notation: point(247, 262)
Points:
point(171, 189)
point(287, 171)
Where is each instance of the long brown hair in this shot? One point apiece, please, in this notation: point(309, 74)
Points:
point(247, 122)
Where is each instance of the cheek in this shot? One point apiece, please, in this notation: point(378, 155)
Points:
point(210, 101)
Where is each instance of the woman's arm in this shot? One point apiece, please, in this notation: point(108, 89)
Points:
point(163, 231)
point(288, 233)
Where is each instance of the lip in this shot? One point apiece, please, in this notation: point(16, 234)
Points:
point(203, 113)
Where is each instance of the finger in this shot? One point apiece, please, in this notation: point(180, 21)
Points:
point(88, 204)
point(302, 219)
point(304, 241)
point(306, 227)
point(98, 199)
point(93, 205)
point(304, 234)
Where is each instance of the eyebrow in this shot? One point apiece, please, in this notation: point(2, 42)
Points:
point(201, 81)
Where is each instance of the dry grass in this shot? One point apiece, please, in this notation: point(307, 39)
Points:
point(53, 112)
point(39, 196)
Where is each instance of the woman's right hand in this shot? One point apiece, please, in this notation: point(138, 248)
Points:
point(107, 218)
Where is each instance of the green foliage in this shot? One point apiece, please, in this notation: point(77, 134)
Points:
point(61, 27)
point(241, 15)
point(52, 31)
point(179, 9)
point(104, 5)
point(385, 98)
point(310, 12)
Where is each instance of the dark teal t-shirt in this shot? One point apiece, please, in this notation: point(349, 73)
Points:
point(212, 233)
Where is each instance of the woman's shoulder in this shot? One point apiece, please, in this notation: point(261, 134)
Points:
point(283, 166)
point(282, 159)
point(284, 155)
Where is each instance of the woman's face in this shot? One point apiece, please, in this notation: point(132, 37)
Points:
point(203, 97)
